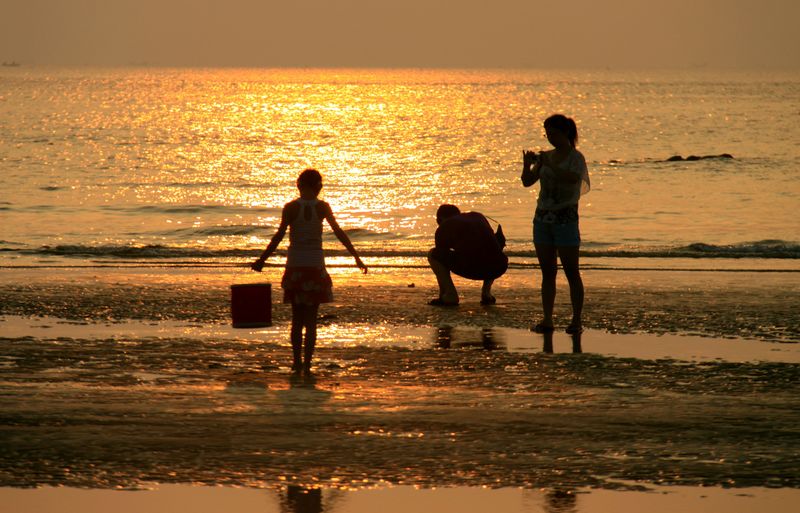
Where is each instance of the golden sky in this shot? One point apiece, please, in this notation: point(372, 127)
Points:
point(408, 33)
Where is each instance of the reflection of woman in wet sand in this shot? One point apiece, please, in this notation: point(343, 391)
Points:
point(560, 501)
point(564, 177)
point(302, 500)
point(305, 282)
point(547, 345)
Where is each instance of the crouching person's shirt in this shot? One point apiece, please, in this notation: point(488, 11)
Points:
point(467, 245)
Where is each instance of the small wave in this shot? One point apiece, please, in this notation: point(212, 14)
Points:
point(190, 232)
point(767, 249)
point(191, 209)
point(467, 162)
point(204, 184)
point(359, 234)
point(148, 251)
point(220, 231)
point(763, 249)
point(759, 249)
point(158, 251)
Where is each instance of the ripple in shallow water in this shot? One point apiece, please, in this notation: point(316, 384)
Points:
point(106, 412)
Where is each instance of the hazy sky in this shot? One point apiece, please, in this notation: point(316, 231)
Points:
point(425, 33)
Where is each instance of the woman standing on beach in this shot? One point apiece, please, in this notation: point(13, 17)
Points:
point(306, 282)
point(563, 178)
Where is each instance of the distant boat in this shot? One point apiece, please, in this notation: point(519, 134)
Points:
point(12, 64)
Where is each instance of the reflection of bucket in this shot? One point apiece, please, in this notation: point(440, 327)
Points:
point(251, 305)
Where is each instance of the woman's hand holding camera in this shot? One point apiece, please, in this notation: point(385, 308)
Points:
point(529, 158)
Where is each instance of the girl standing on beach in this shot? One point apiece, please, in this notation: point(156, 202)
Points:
point(563, 177)
point(306, 282)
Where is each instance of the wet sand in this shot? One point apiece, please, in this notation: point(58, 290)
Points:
point(200, 499)
point(135, 379)
point(735, 304)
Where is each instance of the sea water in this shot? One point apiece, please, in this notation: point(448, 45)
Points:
point(196, 164)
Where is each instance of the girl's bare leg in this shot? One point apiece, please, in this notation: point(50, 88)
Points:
point(310, 323)
point(297, 336)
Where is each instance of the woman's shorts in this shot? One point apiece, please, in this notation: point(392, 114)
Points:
point(556, 234)
point(306, 285)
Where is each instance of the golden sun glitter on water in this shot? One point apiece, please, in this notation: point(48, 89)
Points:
point(183, 163)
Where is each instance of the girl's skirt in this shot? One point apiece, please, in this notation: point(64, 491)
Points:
point(307, 285)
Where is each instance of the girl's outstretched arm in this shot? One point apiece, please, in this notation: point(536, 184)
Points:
point(258, 265)
point(343, 238)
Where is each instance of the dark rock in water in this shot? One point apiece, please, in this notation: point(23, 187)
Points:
point(690, 158)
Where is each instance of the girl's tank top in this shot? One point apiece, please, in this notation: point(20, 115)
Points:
point(305, 237)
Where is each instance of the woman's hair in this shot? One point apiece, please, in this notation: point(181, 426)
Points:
point(565, 125)
point(310, 179)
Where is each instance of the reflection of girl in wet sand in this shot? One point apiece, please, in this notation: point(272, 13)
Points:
point(564, 177)
point(305, 281)
point(302, 499)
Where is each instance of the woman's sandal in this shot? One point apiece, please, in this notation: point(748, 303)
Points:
point(542, 328)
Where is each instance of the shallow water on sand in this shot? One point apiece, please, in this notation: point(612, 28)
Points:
point(742, 303)
point(450, 408)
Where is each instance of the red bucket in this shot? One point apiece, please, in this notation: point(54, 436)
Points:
point(251, 305)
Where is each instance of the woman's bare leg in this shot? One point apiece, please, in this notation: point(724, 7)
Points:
point(548, 264)
point(570, 262)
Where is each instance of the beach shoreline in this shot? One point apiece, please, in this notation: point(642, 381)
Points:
point(757, 305)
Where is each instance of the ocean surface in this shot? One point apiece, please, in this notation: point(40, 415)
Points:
point(194, 165)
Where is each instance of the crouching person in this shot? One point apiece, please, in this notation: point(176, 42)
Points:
point(467, 246)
